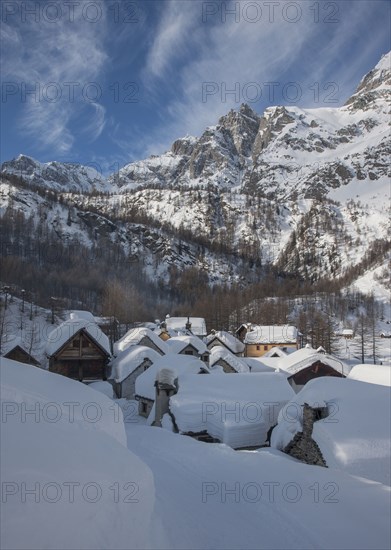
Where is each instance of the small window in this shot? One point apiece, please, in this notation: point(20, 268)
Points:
point(258, 348)
point(265, 348)
point(76, 343)
point(143, 407)
point(86, 343)
point(188, 352)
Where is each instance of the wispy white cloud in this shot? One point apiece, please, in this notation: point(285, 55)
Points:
point(172, 37)
point(97, 121)
point(338, 60)
point(61, 53)
point(234, 52)
point(226, 54)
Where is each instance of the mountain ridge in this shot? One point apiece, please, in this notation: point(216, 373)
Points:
point(247, 188)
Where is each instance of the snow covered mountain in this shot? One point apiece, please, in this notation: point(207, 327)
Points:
point(306, 190)
point(61, 177)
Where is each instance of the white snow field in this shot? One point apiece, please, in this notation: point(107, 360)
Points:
point(68, 480)
point(209, 496)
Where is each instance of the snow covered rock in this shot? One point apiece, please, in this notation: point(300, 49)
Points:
point(354, 435)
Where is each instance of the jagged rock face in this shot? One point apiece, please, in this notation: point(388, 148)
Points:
point(183, 146)
point(271, 124)
point(243, 127)
point(279, 188)
point(375, 85)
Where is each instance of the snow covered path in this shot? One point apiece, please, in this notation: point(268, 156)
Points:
point(209, 496)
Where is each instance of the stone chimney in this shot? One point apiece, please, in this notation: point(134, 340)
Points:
point(311, 415)
point(188, 324)
point(166, 385)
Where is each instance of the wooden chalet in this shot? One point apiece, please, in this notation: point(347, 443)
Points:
point(18, 353)
point(307, 363)
point(79, 350)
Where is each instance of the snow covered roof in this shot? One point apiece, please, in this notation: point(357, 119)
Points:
point(347, 332)
point(305, 357)
point(226, 339)
point(198, 325)
point(179, 343)
point(374, 374)
point(11, 344)
point(134, 336)
point(261, 364)
point(277, 334)
point(238, 410)
point(218, 353)
point(180, 364)
point(61, 334)
point(128, 360)
point(275, 351)
point(355, 436)
point(82, 314)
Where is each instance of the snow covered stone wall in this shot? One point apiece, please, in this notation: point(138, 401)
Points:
point(355, 434)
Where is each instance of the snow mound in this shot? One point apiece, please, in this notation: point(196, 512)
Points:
point(103, 387)
point(68, 482)
point(374, 374)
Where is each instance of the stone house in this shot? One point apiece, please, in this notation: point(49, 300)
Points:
point(221, 358)
point(227, 341)
point(141, 336)
point(189, 345)
point(259, 339)
point(127, 366)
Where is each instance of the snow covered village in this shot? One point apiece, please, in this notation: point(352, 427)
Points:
point(195, 297)
point(132, 431)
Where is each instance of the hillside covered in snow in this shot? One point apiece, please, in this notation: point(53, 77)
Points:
point(304, 191)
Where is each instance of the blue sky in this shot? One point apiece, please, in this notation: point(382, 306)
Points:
point(105, 83)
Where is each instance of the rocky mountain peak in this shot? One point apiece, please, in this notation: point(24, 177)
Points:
point(373, 85)
point(243, 126)
point(56, 176)
point(271, 124)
